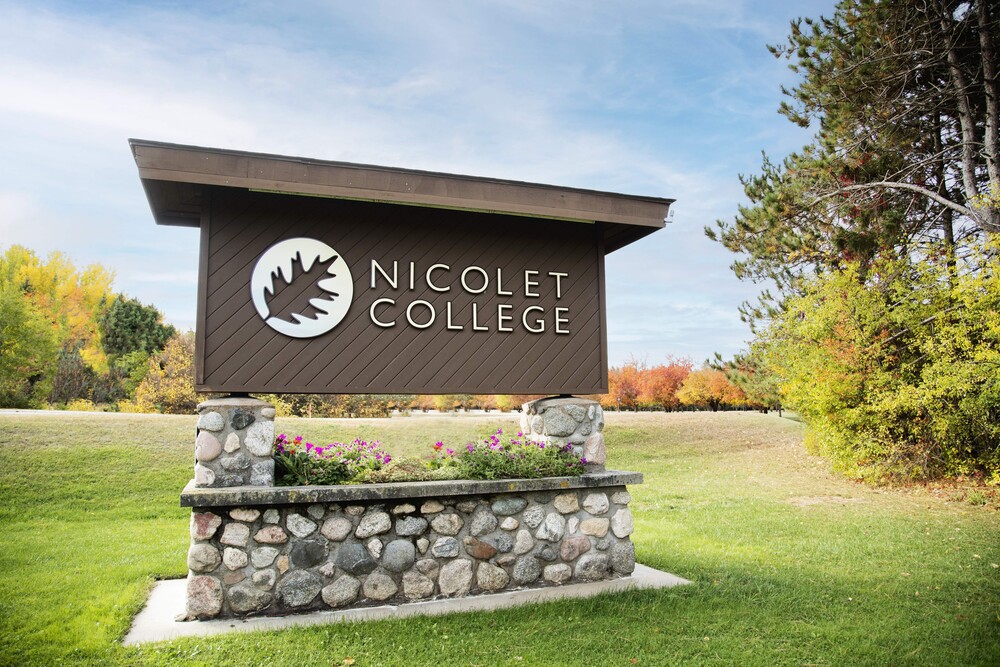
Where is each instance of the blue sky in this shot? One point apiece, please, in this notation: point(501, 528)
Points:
point(671, 99)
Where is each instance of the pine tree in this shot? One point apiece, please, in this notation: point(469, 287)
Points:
point(904, 99)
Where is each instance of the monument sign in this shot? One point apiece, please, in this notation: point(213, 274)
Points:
point(328, 277)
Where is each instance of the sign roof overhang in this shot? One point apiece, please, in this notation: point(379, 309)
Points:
point(174, 177)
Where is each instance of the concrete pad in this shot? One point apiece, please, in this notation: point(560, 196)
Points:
point(156, 621)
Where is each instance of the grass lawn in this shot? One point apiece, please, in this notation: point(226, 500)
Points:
point(791, 565)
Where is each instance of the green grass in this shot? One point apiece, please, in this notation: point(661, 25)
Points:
point(791, 565)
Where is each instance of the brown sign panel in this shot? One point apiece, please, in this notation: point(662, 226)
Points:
point(341, 294)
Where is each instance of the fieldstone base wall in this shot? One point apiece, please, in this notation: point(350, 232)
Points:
point(577, 421)
point(291, 550)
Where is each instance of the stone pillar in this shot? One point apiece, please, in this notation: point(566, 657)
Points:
point(578, 421)
point(234, 443)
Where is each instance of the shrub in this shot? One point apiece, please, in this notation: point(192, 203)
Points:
point(511, 458)
point(168, 385)
point(408, 470)
point(894, 368)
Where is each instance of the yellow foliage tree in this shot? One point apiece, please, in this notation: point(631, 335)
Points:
point(73, 300)
point(169, 382)
point(710, 388)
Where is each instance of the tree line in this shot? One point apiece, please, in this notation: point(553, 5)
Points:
point(674, 385)
point(879, 237)
point(66, 338)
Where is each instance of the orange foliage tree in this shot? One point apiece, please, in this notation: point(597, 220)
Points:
point(658, 385)
point(623, 387)
point(635, 385)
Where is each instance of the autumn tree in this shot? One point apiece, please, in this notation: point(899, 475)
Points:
point(72, 299)
point(658, 385)
point(709, 388)
point(168, 385)
point(422, 402)
point(623, 387)
point(65, 360)
point(896, 383)
point(27, 349)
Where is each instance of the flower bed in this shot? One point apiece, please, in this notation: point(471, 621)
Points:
point(298, 462)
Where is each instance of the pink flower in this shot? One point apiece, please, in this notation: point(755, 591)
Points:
point(438, 445)
point(450, 451)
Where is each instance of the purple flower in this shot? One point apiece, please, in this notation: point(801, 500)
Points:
point(470, 447)
point(450, 451)
point(583, 460)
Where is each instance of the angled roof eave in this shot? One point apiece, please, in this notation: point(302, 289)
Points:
point(174, 175)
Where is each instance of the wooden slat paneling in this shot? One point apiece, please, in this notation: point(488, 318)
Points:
point(241, 353)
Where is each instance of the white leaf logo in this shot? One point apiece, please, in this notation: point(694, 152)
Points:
point(278, 261)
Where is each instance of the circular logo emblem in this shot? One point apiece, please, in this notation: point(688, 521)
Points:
point(325, 299)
